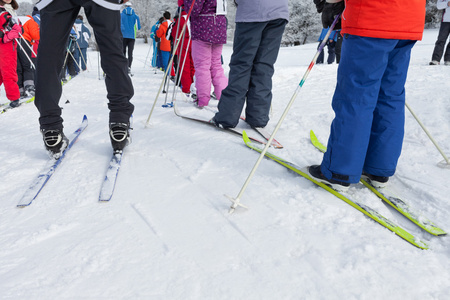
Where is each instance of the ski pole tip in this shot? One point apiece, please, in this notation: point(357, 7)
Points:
point(236, 202)
point(444, 164)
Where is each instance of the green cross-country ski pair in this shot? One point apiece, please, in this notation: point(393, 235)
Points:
point(371, 213)
point(393, 200)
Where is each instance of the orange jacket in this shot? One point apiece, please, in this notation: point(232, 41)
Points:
point(161, 33)
point(30, 29)
point(387, 19)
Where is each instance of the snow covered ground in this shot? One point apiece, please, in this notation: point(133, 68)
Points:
point(167, 234)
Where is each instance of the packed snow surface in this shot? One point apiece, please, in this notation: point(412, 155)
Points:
point(167, 234)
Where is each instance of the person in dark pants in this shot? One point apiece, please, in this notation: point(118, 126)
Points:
point(130, 23)
point(255, 50)
point(444, 32)
point(57, 19)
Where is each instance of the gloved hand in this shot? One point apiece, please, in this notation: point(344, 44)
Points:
point(329, 13)
point(14, 33)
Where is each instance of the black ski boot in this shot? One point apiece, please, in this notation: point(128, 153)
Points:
point(119, 134)
point(55, 142)
point(316, 173)
point(14, 103)
point(375, 181)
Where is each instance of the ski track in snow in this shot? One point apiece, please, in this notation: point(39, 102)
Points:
point(167, 234)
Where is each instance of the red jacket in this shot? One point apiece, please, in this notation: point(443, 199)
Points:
point(388, 19)
point(8, 60)
point(180, 21)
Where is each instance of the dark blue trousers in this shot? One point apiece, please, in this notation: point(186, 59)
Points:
point(255, 50)
point(369, 103)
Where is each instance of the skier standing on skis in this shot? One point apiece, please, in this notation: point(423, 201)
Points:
point(164, 44)
point(82, 43)
point(10, 31)
point(259, 27)
point(208, 35)
point(366, 134)
point(130, 23)
point(57, 19)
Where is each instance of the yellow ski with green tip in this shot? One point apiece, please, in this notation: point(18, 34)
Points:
point(371, 213)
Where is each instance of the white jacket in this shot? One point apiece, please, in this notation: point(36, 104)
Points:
point(443, 4)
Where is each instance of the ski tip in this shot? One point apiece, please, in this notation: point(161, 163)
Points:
point(85, 118)
point(245, 137)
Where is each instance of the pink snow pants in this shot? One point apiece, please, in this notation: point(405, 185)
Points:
point(208, 69)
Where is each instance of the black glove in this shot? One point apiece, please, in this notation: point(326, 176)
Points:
point(330, 11)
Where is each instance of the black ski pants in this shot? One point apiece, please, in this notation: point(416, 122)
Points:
point(57, 20)
point(444, 32)
point(25, 71)
point(128, 43)
point(255, 51)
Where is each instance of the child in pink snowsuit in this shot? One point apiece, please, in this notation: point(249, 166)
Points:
point(208, 34)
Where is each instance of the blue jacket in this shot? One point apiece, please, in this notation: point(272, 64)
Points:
point(130, 23)
point(83, 34)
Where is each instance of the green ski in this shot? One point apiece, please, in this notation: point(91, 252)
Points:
point(390, 198)
point(371, 213)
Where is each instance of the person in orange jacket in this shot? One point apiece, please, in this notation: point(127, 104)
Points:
point(164, 43)
point(366, 134)
point(25, 71)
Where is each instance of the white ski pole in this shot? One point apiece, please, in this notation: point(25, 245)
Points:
point(447, 164)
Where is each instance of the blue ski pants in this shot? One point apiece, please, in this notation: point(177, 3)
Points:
point(369, 105)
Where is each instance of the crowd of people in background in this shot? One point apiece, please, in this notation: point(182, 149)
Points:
point(19, 50)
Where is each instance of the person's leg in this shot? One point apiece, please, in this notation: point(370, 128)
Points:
point(247, 38)
point(20, 73)
point(331, 52)
point(219, 80)
point(106, 25)
point(165, 57)
point(339, 47)
point(8, 66)
point(186, 77)
point(363, 63)
point(444, 31)
point(131, 43)
point(56, 22)
point(321, 56)
point(84, 58)
point(77, 56)
point(201, 53)
point(259, 95)
point(387, 130)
